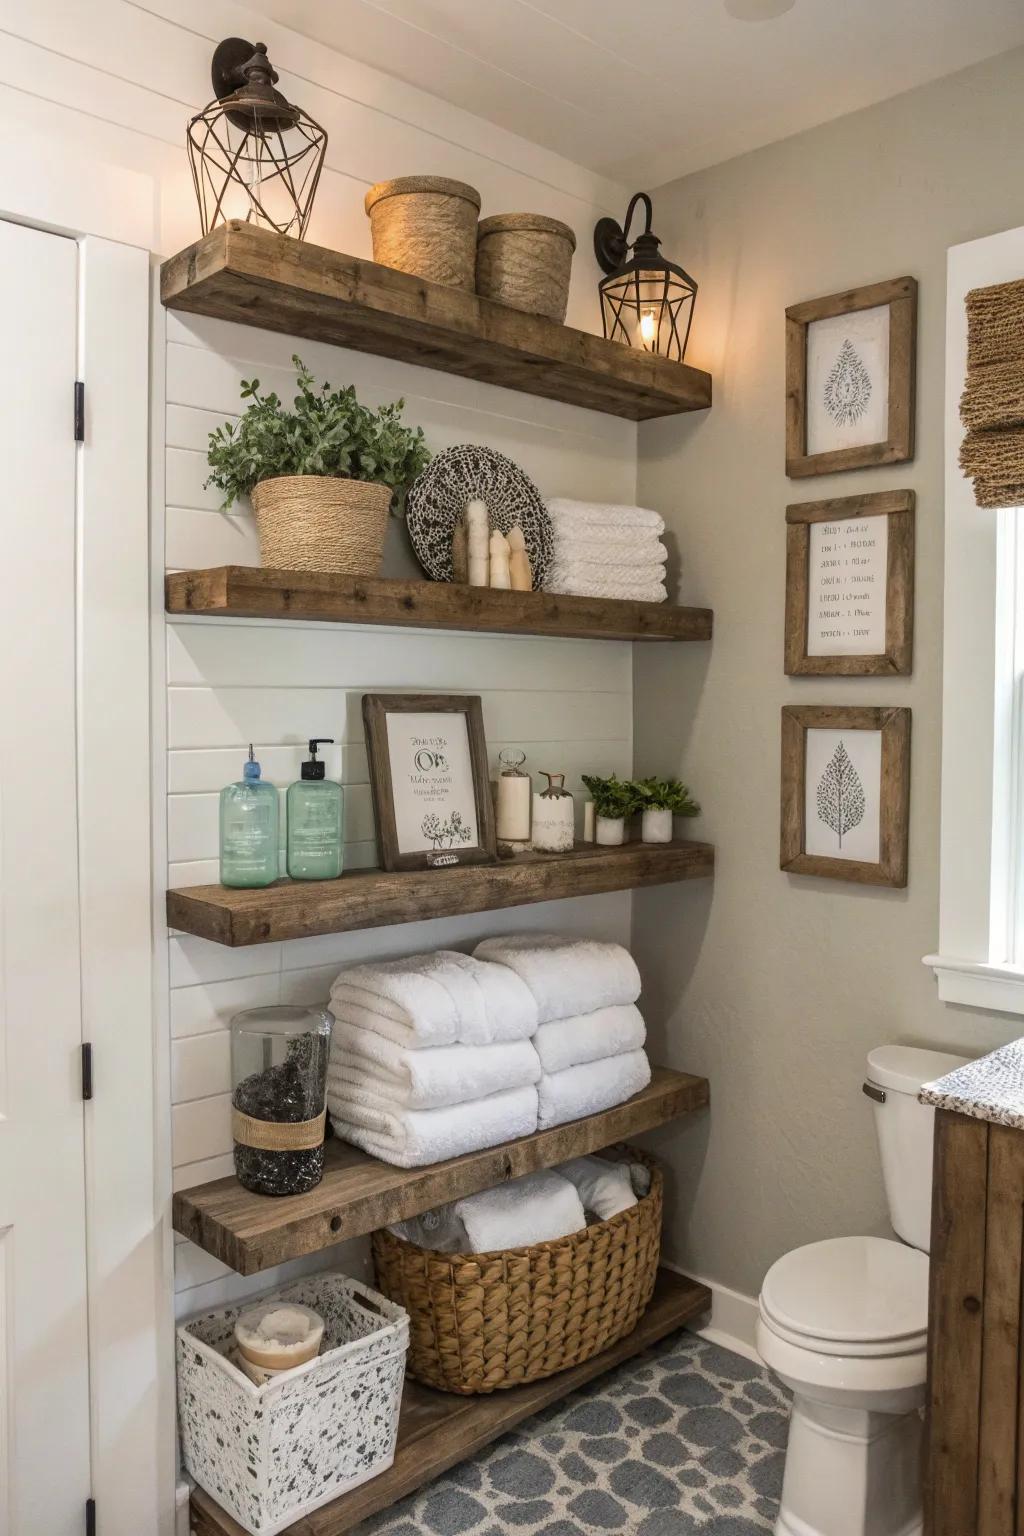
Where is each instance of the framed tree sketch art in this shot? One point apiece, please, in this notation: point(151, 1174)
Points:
point(850, 586)
point(428, 774)
point(850, 379)
point(846, 793)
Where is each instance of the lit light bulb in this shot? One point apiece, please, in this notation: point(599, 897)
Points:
point(648, 326)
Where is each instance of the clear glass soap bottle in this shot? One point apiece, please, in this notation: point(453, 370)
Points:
point(249, 817)
point(314, 821)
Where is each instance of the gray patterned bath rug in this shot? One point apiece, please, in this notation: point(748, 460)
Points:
point(687, 1438)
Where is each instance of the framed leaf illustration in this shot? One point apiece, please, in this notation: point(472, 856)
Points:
point(845, 793)
point(850, 379)
point(850, 586)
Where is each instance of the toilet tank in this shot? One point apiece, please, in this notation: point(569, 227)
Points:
point(905, 1130)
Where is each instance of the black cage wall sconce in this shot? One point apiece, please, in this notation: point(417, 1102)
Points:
point(253, 154)
point(646, 301)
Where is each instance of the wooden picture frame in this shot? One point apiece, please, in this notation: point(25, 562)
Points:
point(895, 442)
point(884, 804)
point(402, 800)
point(804, 603)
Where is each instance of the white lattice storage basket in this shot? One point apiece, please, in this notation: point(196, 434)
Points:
point(272, 1454)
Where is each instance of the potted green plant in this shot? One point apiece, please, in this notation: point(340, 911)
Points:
point(660, 800)
point(321, 476)
point(614, 800)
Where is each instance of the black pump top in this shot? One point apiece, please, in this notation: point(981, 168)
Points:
point(312, 768)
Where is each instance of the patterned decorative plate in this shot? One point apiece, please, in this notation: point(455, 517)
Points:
point(438, 499)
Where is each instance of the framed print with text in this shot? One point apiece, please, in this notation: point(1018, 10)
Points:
point(851, 363)
point(850, 586)
point(428, 773)
point(846, 793)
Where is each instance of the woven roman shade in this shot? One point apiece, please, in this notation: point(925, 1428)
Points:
point(992, 404)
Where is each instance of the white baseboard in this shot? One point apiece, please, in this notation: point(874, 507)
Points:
point(733, 1321)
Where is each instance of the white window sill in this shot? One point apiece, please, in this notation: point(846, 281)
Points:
point(978, 986)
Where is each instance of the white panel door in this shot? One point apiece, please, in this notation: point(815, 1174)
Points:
point(44, 1364)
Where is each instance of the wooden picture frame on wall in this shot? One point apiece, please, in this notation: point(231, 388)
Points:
point(851, 367)
point(846, 793)
point(429, 778)
point(850, 586)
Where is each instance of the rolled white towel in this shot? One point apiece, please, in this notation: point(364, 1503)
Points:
point(603, 514)
point(604, 1187)
point(587, 1037)
point(588, 1089)
point(646, 591)
point(429, 1079)
point(567, 976)
point(441, 998)
point(412, 1137)
point(538, 1208)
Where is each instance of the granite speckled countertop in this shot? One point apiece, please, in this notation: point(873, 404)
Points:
point(991, 1088)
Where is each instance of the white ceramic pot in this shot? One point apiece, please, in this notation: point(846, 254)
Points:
point(611, 831)
point(657, 826)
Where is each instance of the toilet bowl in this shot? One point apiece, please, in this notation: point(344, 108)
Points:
point(844, 1325)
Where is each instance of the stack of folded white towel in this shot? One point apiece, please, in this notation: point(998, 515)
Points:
point(590, 1035)
point(431, 1057)
point(603, 550)
point(445, 1053)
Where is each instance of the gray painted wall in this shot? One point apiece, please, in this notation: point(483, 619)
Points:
point(775, 986)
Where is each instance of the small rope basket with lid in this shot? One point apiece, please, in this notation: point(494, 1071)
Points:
point(486, 1321)
point(524, 260)
point(425, 225)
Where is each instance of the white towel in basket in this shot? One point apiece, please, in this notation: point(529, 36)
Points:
point(537, 1208)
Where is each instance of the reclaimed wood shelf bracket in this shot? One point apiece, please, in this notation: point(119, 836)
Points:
point(256, 277)
point(255, 592)
point(376, 898)
point(358, 1193)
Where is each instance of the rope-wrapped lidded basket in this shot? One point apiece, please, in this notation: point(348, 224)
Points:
point(524, 260)
point(426, 225)
point(320, 523)
point(481, 1322)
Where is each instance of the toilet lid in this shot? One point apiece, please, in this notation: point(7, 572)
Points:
point(850, 1291)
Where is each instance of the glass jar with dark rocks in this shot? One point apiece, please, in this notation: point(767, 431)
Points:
point(279, 1071)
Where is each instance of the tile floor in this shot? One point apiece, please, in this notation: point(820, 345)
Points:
point(687, 1438)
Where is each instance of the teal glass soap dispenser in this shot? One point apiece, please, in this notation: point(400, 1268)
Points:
point(249, 818)
point(314, 821)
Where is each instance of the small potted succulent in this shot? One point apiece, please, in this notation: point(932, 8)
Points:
point(660, 800)
point(614, 802)
point(321, 476)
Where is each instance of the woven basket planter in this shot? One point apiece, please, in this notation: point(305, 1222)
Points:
point(524, 260)
point(426, 225)
point(485, 1321)
point(320, 523)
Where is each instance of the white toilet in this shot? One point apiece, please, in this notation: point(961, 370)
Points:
point(844, 1324)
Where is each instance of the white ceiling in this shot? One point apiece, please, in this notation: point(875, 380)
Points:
point(647, 90)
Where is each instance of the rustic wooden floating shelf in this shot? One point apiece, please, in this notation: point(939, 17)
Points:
point(359, 1193)
point(438, 1429)
point(259, 278)
point(376, 898)
point(255, 592)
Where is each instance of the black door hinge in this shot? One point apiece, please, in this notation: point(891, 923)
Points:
point(87, 1072)
point(90, 1517)
point(79, 411)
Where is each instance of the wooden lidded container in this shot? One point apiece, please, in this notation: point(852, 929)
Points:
point(426, 225)
point(524, 260)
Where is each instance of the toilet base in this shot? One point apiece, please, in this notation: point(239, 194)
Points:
point(851, 1472)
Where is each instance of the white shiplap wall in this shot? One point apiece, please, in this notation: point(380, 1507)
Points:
point(567, 702)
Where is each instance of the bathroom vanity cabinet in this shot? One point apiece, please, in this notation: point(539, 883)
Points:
point(974, 1475)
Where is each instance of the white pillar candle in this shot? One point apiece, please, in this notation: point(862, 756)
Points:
point(512, 816)
point(500, 575)
point(477, 543)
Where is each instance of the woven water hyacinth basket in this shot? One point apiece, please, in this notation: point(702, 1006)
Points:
point(482, 1322)
point(524, 260)
point(319, 523)
point(426, 225)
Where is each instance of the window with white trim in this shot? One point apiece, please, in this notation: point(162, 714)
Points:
point(980, 959)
